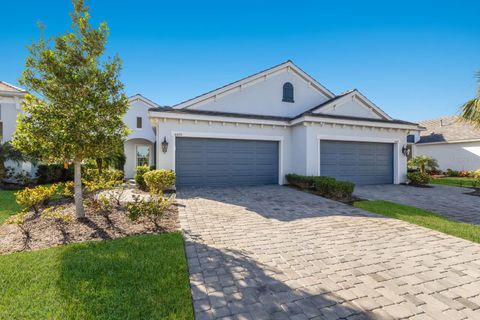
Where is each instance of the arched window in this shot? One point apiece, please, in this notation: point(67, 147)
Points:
point(287, 92)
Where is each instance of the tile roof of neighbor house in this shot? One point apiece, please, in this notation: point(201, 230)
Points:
point(448, 129)
point(4, 86)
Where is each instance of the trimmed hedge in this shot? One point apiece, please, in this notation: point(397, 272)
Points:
point(325, 186)
point(139, 172)
point(418, 178)
point(51, 173)
point(158, 181)
point(304, 182)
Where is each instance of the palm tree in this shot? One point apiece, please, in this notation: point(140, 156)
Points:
point(8, 152)
point(471, 109)
point(423, 163)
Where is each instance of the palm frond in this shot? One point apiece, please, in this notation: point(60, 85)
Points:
point(470, 112)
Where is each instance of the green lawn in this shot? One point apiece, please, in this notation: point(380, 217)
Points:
point(8, 206)
point(454, 181)
point(422, 218)
point(139, 277)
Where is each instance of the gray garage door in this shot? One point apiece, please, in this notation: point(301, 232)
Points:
point(359, 162)
point(223, 162)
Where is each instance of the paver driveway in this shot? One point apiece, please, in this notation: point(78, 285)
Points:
point(276, 253)
point(451, 202)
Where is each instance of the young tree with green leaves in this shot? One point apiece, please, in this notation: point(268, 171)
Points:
point(471, 109)
point(80, 112)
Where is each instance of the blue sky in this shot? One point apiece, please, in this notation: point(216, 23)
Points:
point(415, 59)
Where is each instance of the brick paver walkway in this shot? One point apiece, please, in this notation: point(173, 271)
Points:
point(276, 253)
point(451, 202)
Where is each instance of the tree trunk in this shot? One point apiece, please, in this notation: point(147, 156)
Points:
point(2, 168)
point(99, 165)
point(77, 167)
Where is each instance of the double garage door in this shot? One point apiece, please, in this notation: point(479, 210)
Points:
point(359, 162)
point(224, 162)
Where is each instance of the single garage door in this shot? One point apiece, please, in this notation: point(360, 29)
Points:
point(359, 162)
point(224, 162)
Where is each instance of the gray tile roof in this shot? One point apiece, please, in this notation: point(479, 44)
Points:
point(275, 118)
point(448, 129)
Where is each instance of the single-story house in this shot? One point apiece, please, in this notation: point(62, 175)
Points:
point(256, 130)
point(278, 121)
point(454, 143)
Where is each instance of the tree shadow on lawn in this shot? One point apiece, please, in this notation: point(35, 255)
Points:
point(228, 282)
point(141, 277)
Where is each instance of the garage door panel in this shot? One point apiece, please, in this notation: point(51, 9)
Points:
point(223, 162)
point(359, 162)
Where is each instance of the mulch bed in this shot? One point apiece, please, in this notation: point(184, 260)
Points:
point(45, 233)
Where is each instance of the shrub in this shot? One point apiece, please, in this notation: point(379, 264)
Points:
point(50, 173)
point(57, 215)
point(476, 174)
point(66, 189)
point(452, 173)
point(139, 172)
point(418, 178)
point(465, 173)
point(153, 208)
point(19, 220)
point(332, 188)
point(303, 182)
point(107, 175)
point(158, 181)
point(33, 198)
point(102, 204)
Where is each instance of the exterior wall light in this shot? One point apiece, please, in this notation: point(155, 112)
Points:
point(164, 145)
point(406, 151)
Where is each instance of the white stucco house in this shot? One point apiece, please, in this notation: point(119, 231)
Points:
point(454, 143)
point(258, 129)
point(10, 106)
point(278, 121)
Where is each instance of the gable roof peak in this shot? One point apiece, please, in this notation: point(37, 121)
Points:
point(5, 86)
point(286, 64)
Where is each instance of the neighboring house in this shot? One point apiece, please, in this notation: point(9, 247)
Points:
point(10, 106)
point(455, 144)
point(279, 121)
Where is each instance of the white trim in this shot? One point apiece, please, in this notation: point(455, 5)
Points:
point(351, 96)
point(358, 139)
point(287, 66)
point(139, 97)
point(209, 135)
point(353, 122)
point(395, 142)
point(198, 117)
point(12, 93)
point(313, 119)
point(447, 142)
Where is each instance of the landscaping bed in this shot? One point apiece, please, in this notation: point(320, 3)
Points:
point(95, 226)
point(137, 277)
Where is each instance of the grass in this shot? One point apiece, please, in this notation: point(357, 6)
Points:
point(8, 206)
point(139, 277)
point(454, 181)
point(422, 218)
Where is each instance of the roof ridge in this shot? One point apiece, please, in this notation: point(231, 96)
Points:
point(12, 86)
